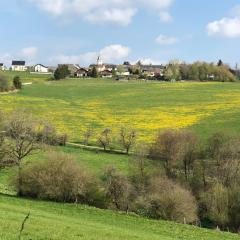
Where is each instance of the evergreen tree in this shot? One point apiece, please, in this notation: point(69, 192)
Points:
point(61, 72)
point(17, 82)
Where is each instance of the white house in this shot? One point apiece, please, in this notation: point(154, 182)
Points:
point(19, 66)
point(40, 68)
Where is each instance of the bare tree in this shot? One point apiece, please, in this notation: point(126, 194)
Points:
point(187, 149)
point(22, 139)
point(87, 134)
point(118, 189)
point(105, 138)
point(139, 168)
point(127, 138)
point(166, 150)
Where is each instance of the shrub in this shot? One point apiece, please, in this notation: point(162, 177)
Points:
point(4, 83)
point(17, 82)
point(58, 178)
point(216, 202)
point(168, 201)
point(234, 211)
point(47, 134)
point(118, 189)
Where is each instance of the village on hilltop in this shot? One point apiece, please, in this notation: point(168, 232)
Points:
point(104, 70)
point(173, 71)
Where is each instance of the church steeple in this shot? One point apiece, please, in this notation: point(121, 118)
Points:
point(99, 60)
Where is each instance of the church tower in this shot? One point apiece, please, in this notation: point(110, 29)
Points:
point(99, 61)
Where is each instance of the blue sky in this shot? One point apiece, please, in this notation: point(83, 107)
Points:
point(156, 31)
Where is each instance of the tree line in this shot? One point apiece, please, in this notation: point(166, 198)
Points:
point(178, 177)
point(199, 71)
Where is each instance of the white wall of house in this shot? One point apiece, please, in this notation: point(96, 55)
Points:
point(19, 68)
point(123, 73)
point(40, 68)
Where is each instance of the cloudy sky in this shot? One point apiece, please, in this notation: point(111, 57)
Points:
point(155, 31)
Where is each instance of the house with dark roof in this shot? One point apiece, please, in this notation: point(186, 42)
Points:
point(18, 66)
point(81, 72)
point(106, 74)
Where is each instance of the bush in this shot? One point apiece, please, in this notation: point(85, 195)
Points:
point(17, 82)
point(118, 189)
point(4, 83)
point(59, 178)
point(216, 202)
point(168, 201)
point(47, 134)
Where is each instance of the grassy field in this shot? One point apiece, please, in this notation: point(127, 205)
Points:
point(73, 105)
point(68, 221)
point(27, 77)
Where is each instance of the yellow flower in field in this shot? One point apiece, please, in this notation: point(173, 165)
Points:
point(75, 114)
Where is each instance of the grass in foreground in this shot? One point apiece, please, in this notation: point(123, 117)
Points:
point(57, 221)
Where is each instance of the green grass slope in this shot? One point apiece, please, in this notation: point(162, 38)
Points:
point(55, 221)
point(27, 77)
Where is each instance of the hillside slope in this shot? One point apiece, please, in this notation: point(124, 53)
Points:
point(73, 105)
point(67, 221)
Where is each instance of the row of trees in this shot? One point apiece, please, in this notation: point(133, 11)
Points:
point(126, 138)
point(199, 71)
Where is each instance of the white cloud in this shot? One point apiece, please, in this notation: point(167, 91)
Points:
point(166, 40)
point(104, 11)
point(118, 16)
point(6, 58)
point(114, 52)
point(83, 59)
point(151, 61)
point(165, 17)
point(28, 52)
point(226, 27)
point(56, 7)
point(157, 4)
point(109, 54)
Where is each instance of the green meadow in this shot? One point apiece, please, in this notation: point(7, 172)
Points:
point(55, 221)
point(73, 105)
point(27, 77)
